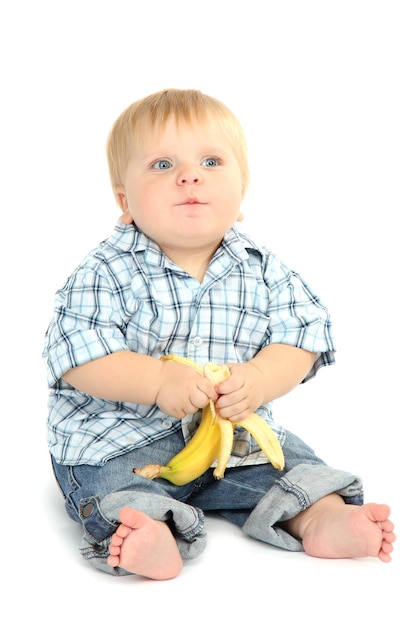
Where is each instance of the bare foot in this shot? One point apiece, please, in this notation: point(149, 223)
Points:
point(334, 530)
point(144, 546)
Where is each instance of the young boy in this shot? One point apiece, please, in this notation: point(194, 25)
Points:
point(177, 277)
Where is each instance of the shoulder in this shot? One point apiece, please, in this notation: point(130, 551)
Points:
point(109, 262)
point(244, 245)
point(273, 269)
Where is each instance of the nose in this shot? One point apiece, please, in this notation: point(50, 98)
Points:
point(189, 175)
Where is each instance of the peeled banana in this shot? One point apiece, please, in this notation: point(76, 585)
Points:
point(213, 439)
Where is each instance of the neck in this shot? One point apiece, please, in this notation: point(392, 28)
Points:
point(194, 263)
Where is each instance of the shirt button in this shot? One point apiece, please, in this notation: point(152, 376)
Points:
point(167, 423)
point(197, 341)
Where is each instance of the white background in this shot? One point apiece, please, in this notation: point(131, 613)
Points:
point(326, 92)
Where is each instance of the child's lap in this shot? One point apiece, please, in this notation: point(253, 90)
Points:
point(240, 489)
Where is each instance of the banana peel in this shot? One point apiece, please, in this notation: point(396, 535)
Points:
point(213, 439)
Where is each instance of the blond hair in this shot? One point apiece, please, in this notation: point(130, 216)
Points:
point(151, 114)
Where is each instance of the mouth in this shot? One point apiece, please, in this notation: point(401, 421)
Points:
point(190, 202)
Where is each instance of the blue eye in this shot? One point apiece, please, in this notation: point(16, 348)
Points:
point(210, 162)
point(163, 164)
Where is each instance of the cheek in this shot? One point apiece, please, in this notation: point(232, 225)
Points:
point(232, 188)
point(153, 192)
point(142, 200)
point(233, 197)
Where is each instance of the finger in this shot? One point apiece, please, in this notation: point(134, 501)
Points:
point(232, 399)
point(207, 391)
point(178, 414)
point(232, 385)
point(234, 412)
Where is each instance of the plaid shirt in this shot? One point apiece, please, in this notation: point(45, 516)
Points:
point(127, 295)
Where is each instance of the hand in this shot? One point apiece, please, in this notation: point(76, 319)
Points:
point(242, 393)
point(182, 390)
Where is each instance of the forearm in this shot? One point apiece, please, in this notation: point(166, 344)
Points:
point(122, 376)
point(282, 367)
point(125, 376)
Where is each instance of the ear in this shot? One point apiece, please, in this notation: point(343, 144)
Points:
point(123, 204)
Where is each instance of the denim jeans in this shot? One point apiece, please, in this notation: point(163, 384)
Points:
point(255, 497)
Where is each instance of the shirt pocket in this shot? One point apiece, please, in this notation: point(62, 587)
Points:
point(250, 332)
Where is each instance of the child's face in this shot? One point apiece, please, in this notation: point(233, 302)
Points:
point(183, 188)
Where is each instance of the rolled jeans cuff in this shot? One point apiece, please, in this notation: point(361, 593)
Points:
point(293, 493)
point(101, 519)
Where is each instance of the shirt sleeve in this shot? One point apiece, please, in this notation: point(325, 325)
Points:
point(86, 324)
point(298, 317)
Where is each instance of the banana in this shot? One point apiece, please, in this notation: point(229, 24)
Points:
point(201, 451)
point(265, 438)
point(213, 439)
point(194, 459)
point(226, 445)
point(184, 360)
point(217, 374)
point(254, 424)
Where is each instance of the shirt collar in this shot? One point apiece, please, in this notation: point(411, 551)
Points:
point(128, 238)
